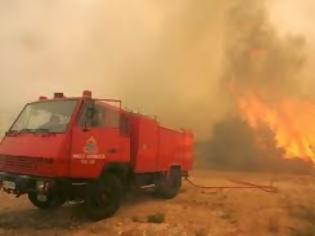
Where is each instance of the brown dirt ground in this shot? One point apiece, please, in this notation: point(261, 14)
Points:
point(198, 212)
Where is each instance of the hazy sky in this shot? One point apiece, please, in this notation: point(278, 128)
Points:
point(294, 16)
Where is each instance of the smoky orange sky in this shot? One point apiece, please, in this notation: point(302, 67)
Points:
point(297, 17)
point(162, 58)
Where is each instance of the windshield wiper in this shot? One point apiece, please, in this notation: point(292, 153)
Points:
point(25, 130)
point(14, 132)
point(41, 130)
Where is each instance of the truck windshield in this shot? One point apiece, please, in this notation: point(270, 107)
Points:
point(49, 116)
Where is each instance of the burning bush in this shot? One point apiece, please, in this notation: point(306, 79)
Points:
point(235, 145)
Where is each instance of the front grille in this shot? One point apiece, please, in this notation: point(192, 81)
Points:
point(21, 164)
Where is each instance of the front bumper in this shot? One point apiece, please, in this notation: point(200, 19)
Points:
point(20, 184)
point(23, 184)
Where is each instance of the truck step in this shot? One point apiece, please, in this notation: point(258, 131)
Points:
point(150, 186)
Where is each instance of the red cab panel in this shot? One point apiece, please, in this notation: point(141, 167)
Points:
point(33, 154)
point(94, 148)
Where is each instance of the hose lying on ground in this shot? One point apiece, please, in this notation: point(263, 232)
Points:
point(242, 185)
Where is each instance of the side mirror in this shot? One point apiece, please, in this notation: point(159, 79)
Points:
point(90, 113)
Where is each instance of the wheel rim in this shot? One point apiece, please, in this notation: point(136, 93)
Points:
point(103, 198)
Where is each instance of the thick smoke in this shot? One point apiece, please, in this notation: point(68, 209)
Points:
point(180, 81)
point(161, 58)
point(257, 59)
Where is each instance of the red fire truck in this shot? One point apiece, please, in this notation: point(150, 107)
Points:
point(88, 149)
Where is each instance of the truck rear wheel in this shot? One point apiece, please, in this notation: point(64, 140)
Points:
point(169, 184)
point(48, 201)
point(103, 197)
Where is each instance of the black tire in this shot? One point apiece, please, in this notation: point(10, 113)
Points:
point(169, 185)
point(52, 201)
point(103, 197)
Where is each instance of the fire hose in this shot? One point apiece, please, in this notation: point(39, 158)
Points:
point(241, 185)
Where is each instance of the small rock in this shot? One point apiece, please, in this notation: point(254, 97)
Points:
point(157, 218)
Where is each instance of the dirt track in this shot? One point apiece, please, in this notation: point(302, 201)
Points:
point(194, 212)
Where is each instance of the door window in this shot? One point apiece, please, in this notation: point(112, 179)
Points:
point(99, 116)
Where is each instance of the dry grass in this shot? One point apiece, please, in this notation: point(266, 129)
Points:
point(290, 212)
point(273, 226)
point(305, 214)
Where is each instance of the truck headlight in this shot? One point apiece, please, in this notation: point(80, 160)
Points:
point(40, 185)
point(44, 186)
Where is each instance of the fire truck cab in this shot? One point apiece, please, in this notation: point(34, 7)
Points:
point(88, 149)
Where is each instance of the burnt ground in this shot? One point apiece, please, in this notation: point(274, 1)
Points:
point(290, 211)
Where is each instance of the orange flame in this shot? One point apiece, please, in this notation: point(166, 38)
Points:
point(291, 120)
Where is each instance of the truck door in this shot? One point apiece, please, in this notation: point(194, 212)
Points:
point(97, 140)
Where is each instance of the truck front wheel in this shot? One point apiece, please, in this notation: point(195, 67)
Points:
point(103, 197)
point(48, 201)
point(168, 185)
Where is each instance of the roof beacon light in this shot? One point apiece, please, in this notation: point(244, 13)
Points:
point(59, 95)
point(87, 94)
point(42, 98)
